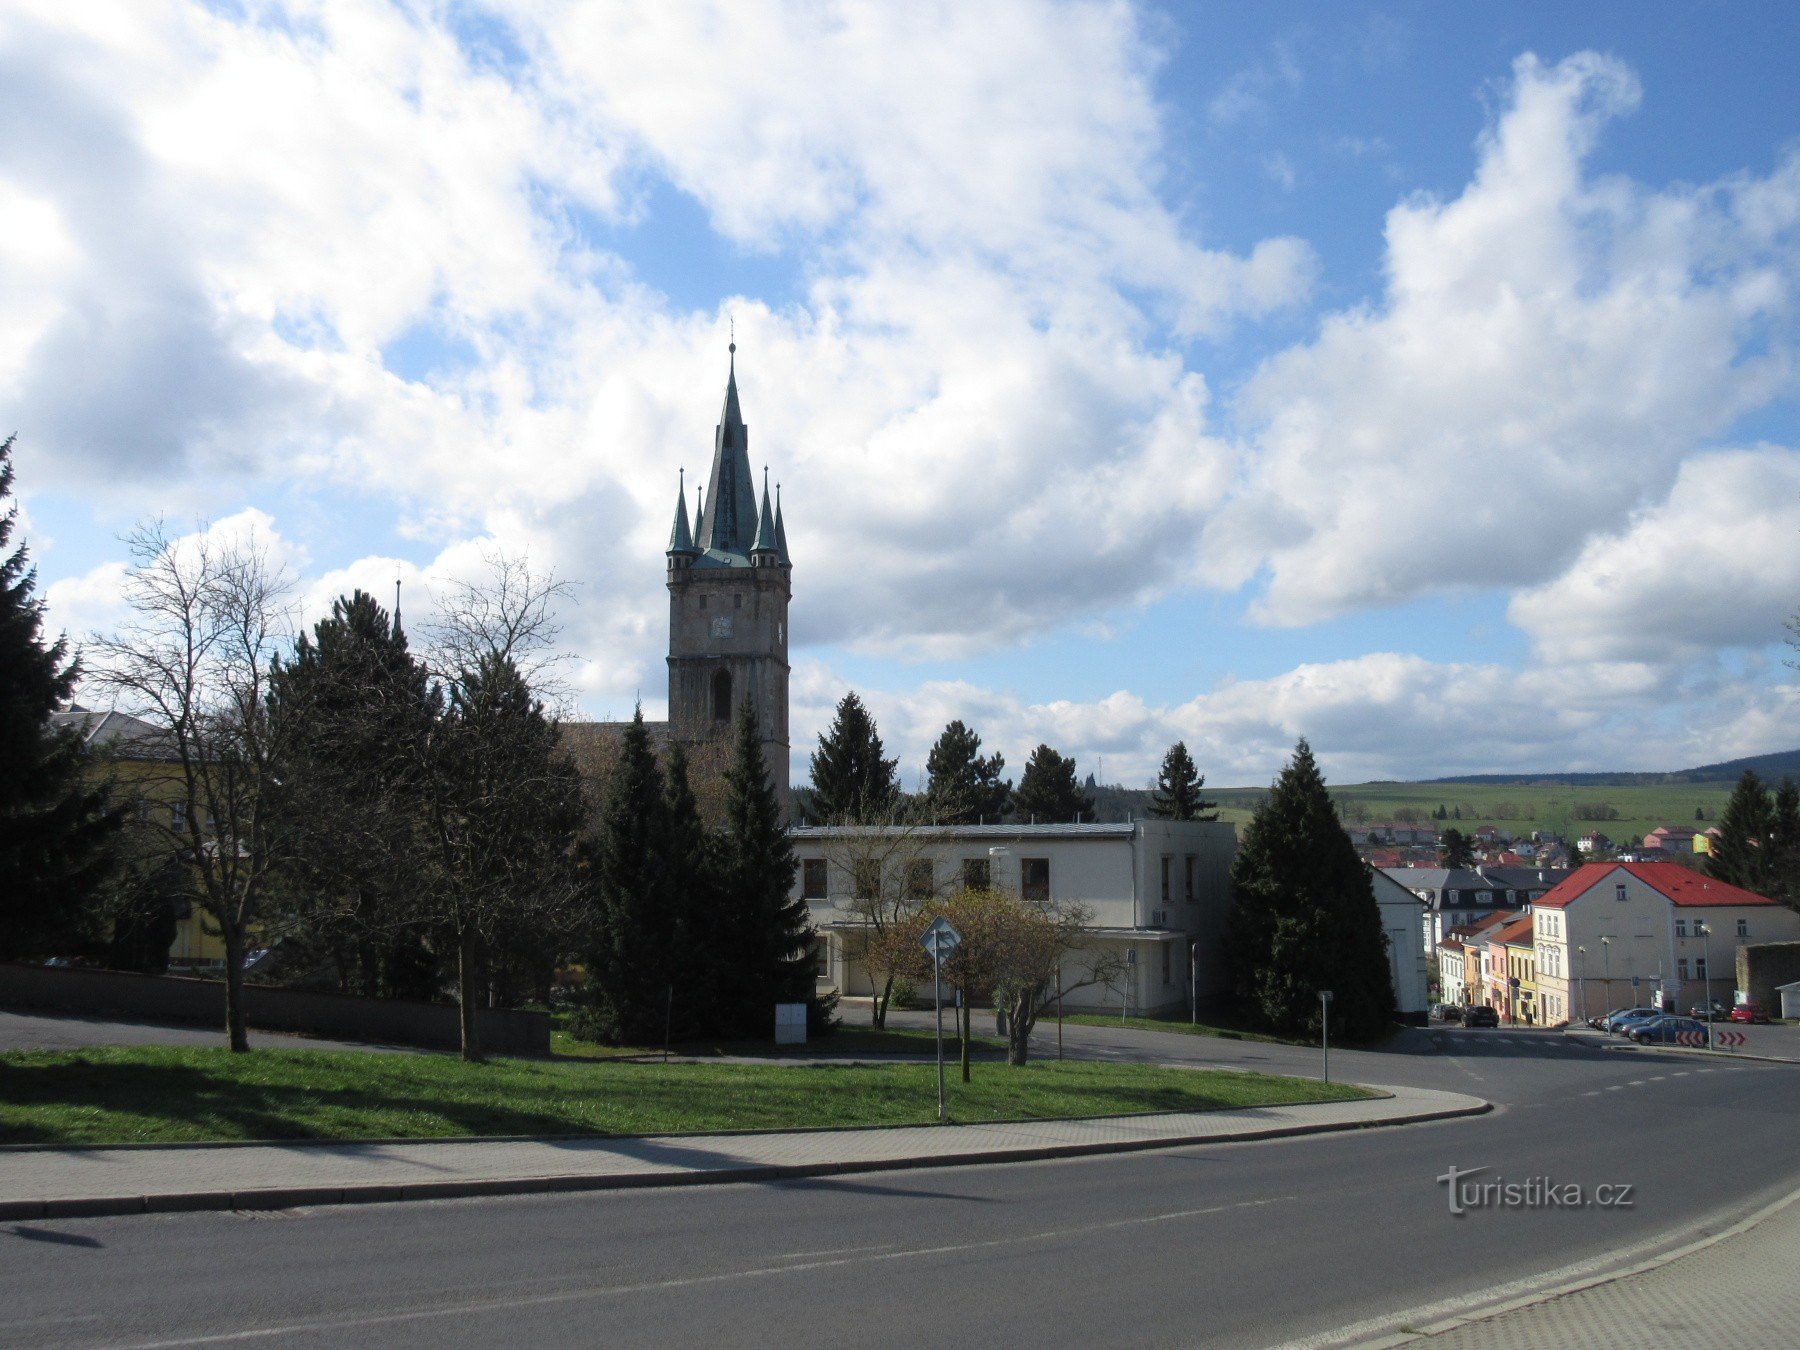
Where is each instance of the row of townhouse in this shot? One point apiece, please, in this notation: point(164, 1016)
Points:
point(1611, 935)
point(1157, 895)
point(1455, 897)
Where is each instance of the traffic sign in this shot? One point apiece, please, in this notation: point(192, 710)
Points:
point(1730, 1038)
point(1692, 1039)
point(1634, 982)
point(940, 939)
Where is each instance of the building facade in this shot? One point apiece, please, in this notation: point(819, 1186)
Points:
point(1628, 934)
point(1157, 892)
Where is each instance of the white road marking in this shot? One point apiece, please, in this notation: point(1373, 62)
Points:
point(474, 1306)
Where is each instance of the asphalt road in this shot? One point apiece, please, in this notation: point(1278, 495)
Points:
point(1238, 1245)
point(72, 1031)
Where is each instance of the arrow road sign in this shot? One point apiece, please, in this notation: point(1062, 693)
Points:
point(1730, 1038)
point(940, 939)
point(1693, 1039)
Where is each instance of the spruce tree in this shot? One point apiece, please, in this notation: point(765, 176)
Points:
point(852, 781)
point(1455, 850)
point(631, 960)
point(1739, 854)
point(55, 823)
point(1049, 792)
point(1178, 789)
point(1784, 845)
point(692, 890)
point(1304, 917)
point(963, 786)
point(764, 928)
point(354, 712)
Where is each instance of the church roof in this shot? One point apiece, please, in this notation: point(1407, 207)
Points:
point(728, 517)
point(765, 541)
point(681, 540)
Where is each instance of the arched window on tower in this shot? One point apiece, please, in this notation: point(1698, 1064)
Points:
point(721, 696)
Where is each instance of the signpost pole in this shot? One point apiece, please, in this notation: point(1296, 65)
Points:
point(937, 999)
point(1194, 983)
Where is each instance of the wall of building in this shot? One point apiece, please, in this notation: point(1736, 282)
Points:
point(432, 1026)
point(1762, 966)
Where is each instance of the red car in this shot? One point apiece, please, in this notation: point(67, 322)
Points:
point(1748, 1012)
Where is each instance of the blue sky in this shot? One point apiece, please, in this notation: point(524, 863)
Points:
point(1414, 377)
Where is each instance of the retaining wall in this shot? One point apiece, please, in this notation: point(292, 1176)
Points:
point(176, 998)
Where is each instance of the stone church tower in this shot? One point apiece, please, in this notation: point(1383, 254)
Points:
point(729, 586)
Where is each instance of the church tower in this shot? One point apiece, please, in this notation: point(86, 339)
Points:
point(729, 585)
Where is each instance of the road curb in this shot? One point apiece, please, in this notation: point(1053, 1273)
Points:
point(290, 1197)
point(1717, 1056)
point(1532, 1300)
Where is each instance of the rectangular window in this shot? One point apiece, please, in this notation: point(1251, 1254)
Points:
point(1619, 891)
point(975, 874)
point(1699, 967)
point(1191, 866)
point(1167, 948)
point(1681, 969)
point(919, 880)
point(1681, 928)
point(812, 879)
point(1034, 879)
point(178, 817)
point(1168, 868)
point(1743, 928)
point(822, 958)
point(865, 877)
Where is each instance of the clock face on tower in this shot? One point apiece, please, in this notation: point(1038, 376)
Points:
point(721, 626)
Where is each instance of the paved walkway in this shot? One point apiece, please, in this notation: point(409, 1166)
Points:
point(1741, 1290)
point(41, 1183)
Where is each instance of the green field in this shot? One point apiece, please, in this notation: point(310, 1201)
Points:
point(165, 1093)
point(1517, 808)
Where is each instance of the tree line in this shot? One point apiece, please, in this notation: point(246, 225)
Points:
point(854, 781)
point(384, 822)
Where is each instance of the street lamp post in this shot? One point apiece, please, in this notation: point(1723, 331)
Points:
point(1705, 932)
point(1325, 1031)
point(1581, 953)
point(1606, 955)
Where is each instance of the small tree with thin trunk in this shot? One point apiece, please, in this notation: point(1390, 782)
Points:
point(885, 875)
point(208, 618)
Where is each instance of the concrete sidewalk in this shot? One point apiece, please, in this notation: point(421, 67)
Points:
point(77, 1182)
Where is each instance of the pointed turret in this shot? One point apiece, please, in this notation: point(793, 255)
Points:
point(781, 531)
point(728, 520)
point(681, 539)
point(399, 633)
point(765, 549)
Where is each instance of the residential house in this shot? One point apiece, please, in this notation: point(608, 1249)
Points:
point(1472, 938)
point(1455, 897)
point(1452, 985)
point(1613, 934)
point(1401, 913)
point(1502, 975)
point(1157, 891)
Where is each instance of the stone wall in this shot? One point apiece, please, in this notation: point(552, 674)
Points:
point(1762, 967)
point(173, 998)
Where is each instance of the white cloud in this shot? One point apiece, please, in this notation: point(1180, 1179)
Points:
point(1715, 566)
point(1549, 349)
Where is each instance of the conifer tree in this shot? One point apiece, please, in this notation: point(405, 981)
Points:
point(1739, 853)
point(1784, 845)
point(631, 961)
point(765, 929)
point(1305, 917)
point(1455, 848)
point(852, 781)
point(1178, 789)
point(963, 786)
point(55, 825)
point(354, 713)
point(693, 891)
point(1049, 792)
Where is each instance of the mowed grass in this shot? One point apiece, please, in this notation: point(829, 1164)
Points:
point(845, 1042)
point(187, 1094)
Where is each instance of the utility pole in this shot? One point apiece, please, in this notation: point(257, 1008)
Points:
point(1325, 1030)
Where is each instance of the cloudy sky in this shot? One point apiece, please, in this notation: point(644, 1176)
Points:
point(1416, 377)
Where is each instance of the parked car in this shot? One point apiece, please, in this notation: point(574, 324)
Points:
point(1448, 1012)
point(1664, 1030)
point(1481, 1016)
point(1616, 1021)
point(1710, 1012)
point(1598, 1021)
point(1749, 1012)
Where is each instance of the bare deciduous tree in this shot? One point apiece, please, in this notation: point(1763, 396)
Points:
point(890, 875)
point(208, 618)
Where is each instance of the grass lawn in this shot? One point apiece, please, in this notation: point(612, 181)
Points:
point(845, 1041)
point(1182, 1027)
point(167, 1093)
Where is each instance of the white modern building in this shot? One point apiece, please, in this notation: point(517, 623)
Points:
point(1153, 887)
point(1402, 921)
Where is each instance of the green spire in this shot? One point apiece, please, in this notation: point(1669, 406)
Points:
point(781, 530)
point(727, 521)
point(680, 539)
point(765, 525)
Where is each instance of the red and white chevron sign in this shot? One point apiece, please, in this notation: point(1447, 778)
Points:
point(1729, 1038)
point(1694, 1039)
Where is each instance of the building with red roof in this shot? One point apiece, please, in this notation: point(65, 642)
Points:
point(1614, 935)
